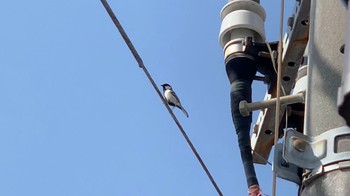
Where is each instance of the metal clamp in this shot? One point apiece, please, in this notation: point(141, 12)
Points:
point(283, 169)
point(319, 154)
point(310, 175)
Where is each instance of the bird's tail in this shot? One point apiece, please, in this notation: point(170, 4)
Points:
point(184, 111)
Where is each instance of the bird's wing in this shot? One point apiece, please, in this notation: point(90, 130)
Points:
point(176, 97)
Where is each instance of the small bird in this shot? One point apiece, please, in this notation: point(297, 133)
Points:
point(172, 99)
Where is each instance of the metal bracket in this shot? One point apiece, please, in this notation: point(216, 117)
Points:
point(317, 152)
point(294, 45)
point(283, 169)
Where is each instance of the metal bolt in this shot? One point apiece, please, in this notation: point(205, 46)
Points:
point(290, 22)
point(299, 145)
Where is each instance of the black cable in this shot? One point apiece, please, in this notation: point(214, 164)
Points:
point(140, 62)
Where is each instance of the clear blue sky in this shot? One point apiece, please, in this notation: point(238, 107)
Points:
point(78, 117)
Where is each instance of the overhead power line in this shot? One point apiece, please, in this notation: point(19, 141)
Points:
point(142, 66)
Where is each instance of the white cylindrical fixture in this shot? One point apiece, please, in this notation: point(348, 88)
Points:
point(241, 19)
point(301, 81)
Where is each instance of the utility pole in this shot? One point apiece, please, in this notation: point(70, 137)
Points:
point(316, 82)
point(327, 36)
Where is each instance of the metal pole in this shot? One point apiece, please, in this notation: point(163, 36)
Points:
point(245, 108)
point(327, 30)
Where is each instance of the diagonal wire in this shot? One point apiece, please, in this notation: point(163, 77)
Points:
point(142, 66)
point(261, 157)
point(278, 94)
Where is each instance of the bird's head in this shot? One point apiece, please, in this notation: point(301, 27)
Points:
point(166, 86)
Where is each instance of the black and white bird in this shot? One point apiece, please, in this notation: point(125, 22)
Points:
point(172, 99)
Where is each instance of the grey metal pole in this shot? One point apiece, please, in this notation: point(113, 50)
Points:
point(245, 108)
point(327, 32)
